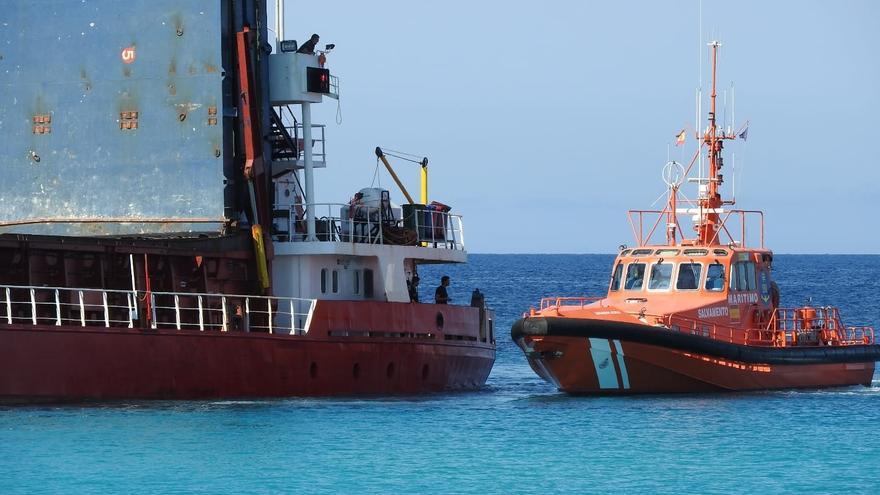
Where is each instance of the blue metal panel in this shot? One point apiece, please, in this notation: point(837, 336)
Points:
point(70, 98)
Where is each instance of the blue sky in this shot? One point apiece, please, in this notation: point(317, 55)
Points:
point(544, 122)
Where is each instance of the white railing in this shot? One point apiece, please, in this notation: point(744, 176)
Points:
point(319, 153)
point(62, 306)
point(337, 222)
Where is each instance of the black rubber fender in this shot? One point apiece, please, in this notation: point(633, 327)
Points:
point(696, 344)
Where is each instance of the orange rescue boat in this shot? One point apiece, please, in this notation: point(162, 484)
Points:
point(693, 314)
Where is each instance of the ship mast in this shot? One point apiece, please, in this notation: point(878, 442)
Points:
point(710, 197)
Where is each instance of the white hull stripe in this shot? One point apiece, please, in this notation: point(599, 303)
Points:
point(620, 361)
point(606, 369)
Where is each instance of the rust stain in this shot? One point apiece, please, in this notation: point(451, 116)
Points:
point(126, 71)
point(210, 68)
point(172, 67)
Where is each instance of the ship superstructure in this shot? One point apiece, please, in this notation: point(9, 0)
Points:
point(159, 236)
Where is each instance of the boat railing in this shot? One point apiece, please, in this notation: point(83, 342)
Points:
point(560, 302)
point(644, 226)
point(85, 307)
point(703, 328)
point(337, 222)
point(817, 326)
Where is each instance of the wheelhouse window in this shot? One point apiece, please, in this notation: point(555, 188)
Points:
point(742, 276)
point(615, 278)
point(661, 276)
point(715, 277)
point(357, 282)
point(335, 278)
point(689, 276)
point(635, 276)
point(323, 280)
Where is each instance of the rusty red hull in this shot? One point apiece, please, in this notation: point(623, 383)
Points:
point(353, 348)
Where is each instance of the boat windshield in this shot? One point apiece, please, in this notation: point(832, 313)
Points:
point(715, 277)
point(661, 274)
point(688, 276)
point(615, 279)
point(635, 276)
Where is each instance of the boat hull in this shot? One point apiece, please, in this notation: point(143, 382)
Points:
point(588, 359)
point(48, 363)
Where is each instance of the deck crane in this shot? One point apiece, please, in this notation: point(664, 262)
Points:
point(423, 162)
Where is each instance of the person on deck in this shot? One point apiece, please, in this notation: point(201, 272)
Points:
point(441, 296)
point(309, 46)
point(413, 287)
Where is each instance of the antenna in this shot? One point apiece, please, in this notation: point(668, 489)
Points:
point(732, 105)
point(699, 127)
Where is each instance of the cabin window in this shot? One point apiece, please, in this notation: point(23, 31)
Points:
point(335, 278)
point(719, 252)
point(615, 279)
point(635, 276)
point(357, 282)
point(661, 276)
point(368, 283)
point(696, 252)
point(624, 253)
point(642, 252)
point(323, 280)
point(715, 277)
point(689, 276)
point(742, 276)
point(666, 252)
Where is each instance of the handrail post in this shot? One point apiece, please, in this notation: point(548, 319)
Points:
point(269, 312)
point(82, 309)
point(225, 316)
point(131, 299)
point(153, 323)
point(106, 309)
point(33, 307)
point(246, 324)
point(201, 316)
point(292, 319)
point(308, 325)
point(57, 309)
point(8, 306)
point(177, 310)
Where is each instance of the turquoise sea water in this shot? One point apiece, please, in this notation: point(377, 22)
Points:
point(518, 435)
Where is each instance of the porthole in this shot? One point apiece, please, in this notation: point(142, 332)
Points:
point(313, 370)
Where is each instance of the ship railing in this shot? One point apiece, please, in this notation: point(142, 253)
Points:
point(568, 302)
point(644, 226)
point(703, 328)
point(224, 312)
point(84, 307)
point(817, 326)
point(337, 222)
point(319, 152)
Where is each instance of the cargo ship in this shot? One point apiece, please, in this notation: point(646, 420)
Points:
point(160, 236)
point(694, 312)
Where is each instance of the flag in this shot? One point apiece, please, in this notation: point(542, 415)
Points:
point(679, 138)
point(745, 133)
